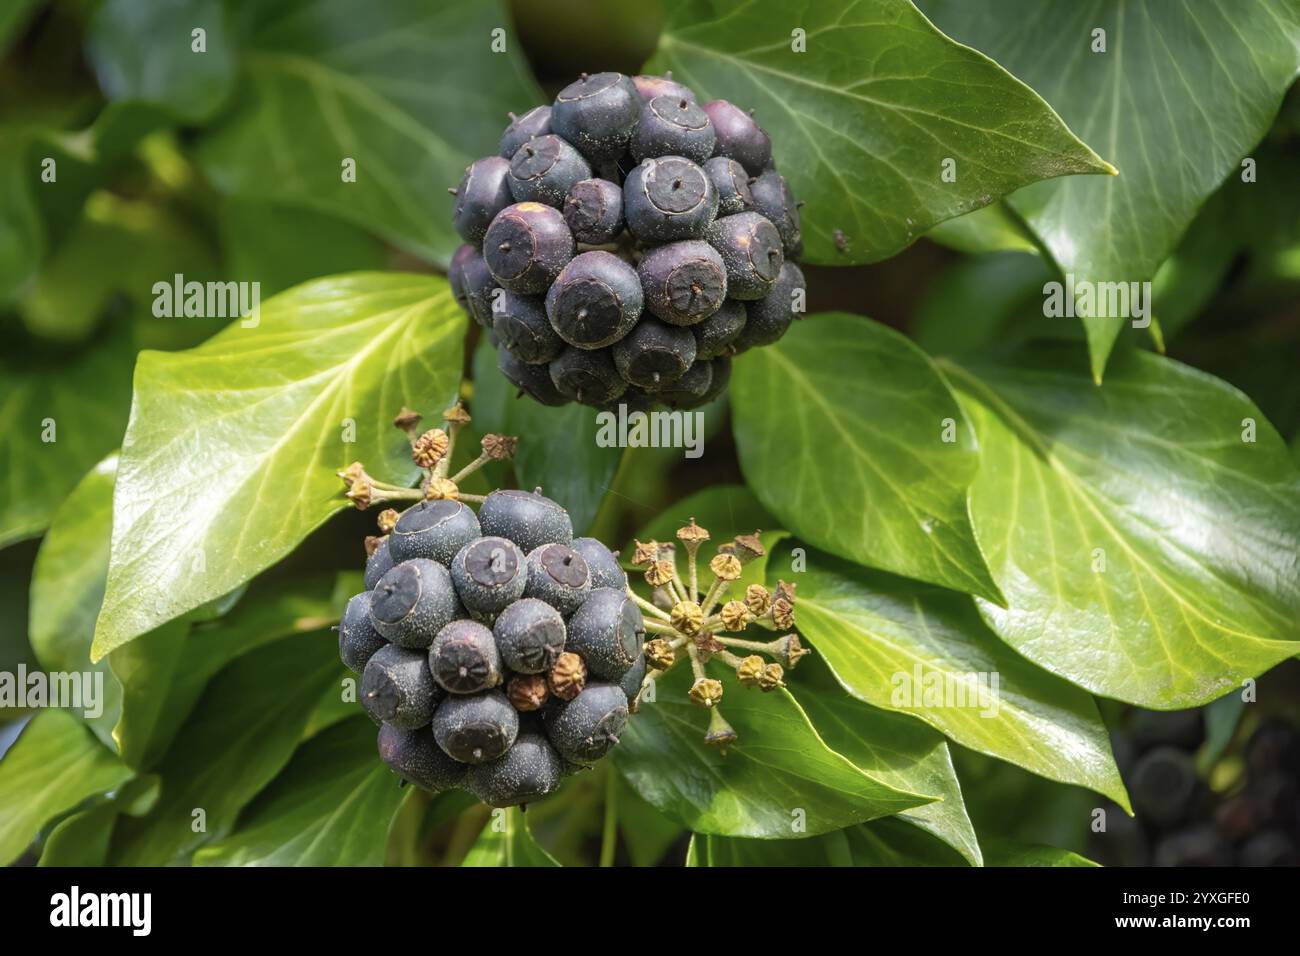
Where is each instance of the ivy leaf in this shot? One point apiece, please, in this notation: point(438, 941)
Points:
point(241, 734)
point(863, 121)
point(1140, 92)
point(780, 773)
point(558, 450)
point(231, 454)
point(166, 70)
point(988, 229)
point(53, 766)
point(895, 748)
point(840, 429)
point(887, 640)
point(888, 842)
point(506, 841)
point(1011, 853)
point(59, 415)
point(330, 807)
point(1145, 532)
point(411, 92)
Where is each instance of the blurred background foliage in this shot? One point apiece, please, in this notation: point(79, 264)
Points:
point(172, 170)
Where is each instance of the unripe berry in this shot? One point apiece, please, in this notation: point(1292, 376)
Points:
point(464, 659)
point(378, 564)
point(750, 248)
point(655, 354)
point(536, 122)
point(738, 136)
point(594, 211)
point(415, 756)
point(489, 573)
point(683, 282)
point(597, 114)
point(602, 563)
point(595, 300)
point(358, 639)
point(397, 688)
point(433, 529)
point(588, 376)
point(530, 635)
point(413, 602)
point(608, 631)
point(529, 519)
point(526, 247)
point(544, 169)
point(520, 325)
point(716, 335)
point(673, 126)
point(483, 193)
point(773, 198)
point(533, 380)
point(587, 727)
point(475, 728)
point(527, 772)
point(668, 198)
point(731, 181)
point(768, 318)
point(558, 575)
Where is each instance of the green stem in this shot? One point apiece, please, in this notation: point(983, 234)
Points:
point(609, 832)
point(648, 607)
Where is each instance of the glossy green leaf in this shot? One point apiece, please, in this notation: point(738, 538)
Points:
point(1147, 549)
point(894, 748)
point(166, 69)
point(989, 229)
point(888, 842)
point(1182, 92)
point(53, 766)
point(411, 92)
point(68, 587)
point(330, 807)
point(505, 841)
point(241, 734)
point(22, 233)
point(890, 641)
point(558, 451)
point(1010, 853)
point(59, 415)
point(233, 448)
point(984, 300)
point(863, 121)
point(778, 777)
point(81, 839)
point(840, 429)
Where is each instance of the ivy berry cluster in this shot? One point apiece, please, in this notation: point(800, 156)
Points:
point(705, 626)
point(497, 652)
point(626, 242)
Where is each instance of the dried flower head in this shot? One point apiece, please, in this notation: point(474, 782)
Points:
point(388, 520)
point(428, 449)
point(726, 566)
point(499, 447)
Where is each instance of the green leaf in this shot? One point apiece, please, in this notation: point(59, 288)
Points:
point(893, 748)
point(1146, 549)
point(988, 229)
point(22, 232)
point(1010, 853)
point(59, 415)
point(888, 842)
point(68, 587)
point(984, 300)
point(164, 672)
point(558, 450)
point(81, 839)
point(887, 640)
point(231, 454)
point(144, 51)
point(53, 766)
point(411, 92)
point(1182, 92)
point(840, 430)
point(14, 17)
point(778, 776)
point(862, 123)
point(330, 807)
point(505, 841)
point(243, 731)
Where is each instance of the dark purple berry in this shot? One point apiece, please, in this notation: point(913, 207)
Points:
point(603, 564)
point(475, 728)
point(673, 126)
point(768, 318)
point(536, 122)
point(738, 136)
point(559, 576)
point(594, 211)
point(473, 284)
point(434, 530)
point(587, 376)
point(483, 193)
point(526, 247)
point(530, 635)
point(607, 631)
point(521, 325)
point(595, 301)
point(597, 114)
point(528, 518)
point(668, 198)
point(715, 335)
point(463, 658)
point(379, 563)
point(772, 197)
point(414, 755)
point(544, 169)
point(358, 639)
point(731, 181)
point(530, 770)
point(651, 86)
point(751, 251)
point(689, 390)
point(532, 380)
point(588, 727)
point(489, 574)
point(655, 354)
point(413, 602)
point(397, 688)
point(684, 282)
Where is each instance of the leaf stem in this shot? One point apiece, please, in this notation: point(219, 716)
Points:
point(609, 831)
point(648, 607)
